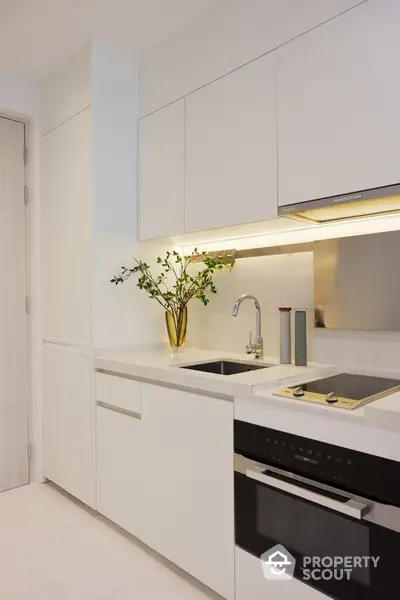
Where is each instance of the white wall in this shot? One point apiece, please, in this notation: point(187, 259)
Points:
point(121, 316)
point(21, 99)
point(223, 39)
point(359, 349)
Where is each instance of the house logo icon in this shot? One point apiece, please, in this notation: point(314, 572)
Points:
point(278, 564)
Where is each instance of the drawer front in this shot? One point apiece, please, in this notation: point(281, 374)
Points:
point(251, 584)
point(119, 392)
point(120, 474)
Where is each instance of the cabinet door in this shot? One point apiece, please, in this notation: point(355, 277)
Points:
point(231, 166)
point(251, 584)
point(119, 453)
point(161, 172)
point(66, 231)
point(69, 421)
point(338, 105)
point(188, 502)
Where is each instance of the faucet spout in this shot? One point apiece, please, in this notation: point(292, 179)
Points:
point(239, 301)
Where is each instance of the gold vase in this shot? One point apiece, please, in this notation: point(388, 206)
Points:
point(176, 321)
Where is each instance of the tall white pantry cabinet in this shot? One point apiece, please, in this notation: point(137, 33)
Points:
point(88, 229)
point(68, 404)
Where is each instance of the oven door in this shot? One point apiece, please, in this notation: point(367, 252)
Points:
point(314, 521)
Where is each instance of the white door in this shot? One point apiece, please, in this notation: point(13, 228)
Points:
point(14, 466)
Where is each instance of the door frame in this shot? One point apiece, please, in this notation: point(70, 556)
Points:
point(28, 292)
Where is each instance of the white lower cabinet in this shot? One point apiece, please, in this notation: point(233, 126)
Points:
point(119, 451)
point(188, 451)
point(251, 585)
point(165, 474)
point(120, 479)
point(68, 421)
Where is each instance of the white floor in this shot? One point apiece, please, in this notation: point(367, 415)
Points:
point(53, 549)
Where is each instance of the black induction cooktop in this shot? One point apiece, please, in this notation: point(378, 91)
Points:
point(348, 385)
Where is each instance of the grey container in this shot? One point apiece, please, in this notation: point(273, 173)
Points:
point(300, 338)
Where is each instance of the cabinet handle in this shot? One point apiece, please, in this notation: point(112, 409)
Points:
point(118, 409)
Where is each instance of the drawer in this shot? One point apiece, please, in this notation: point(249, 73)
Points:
point(251, 584)
point(120, 392)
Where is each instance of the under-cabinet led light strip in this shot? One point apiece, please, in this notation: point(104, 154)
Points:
point(351, 227)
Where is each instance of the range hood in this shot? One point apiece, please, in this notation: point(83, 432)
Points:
point(377, 201)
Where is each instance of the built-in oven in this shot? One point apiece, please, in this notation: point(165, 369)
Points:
point(335, 510)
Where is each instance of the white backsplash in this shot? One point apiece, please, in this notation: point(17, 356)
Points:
point(359, 349)
point(283, 280)
point(280, 280)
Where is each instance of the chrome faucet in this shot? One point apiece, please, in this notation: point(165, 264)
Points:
point(256, 347)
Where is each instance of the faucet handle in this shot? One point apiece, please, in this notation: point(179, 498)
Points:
point(249, 347)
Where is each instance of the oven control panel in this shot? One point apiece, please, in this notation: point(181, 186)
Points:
point(344, 468)
point(330, 464)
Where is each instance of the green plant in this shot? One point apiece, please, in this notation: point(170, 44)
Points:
point(174, 293)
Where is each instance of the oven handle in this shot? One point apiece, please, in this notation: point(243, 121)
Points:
point(352, 508)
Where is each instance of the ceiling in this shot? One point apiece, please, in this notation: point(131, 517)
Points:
point(38, 35)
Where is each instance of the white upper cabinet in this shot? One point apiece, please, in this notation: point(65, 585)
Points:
point(339, 93)
point(222, 39)
point(162, 172)
point(231, 149)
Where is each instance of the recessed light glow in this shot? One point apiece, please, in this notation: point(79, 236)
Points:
point(345, 228)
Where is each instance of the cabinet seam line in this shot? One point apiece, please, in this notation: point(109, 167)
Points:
point(66, 120)
point(249, 62)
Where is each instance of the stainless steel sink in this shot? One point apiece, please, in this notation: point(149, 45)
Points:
point(225, 367)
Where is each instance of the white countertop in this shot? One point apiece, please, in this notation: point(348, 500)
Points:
point(384, 412)
point(373, 428)
point(160, 366)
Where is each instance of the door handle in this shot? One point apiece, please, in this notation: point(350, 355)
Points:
point(349, 506)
